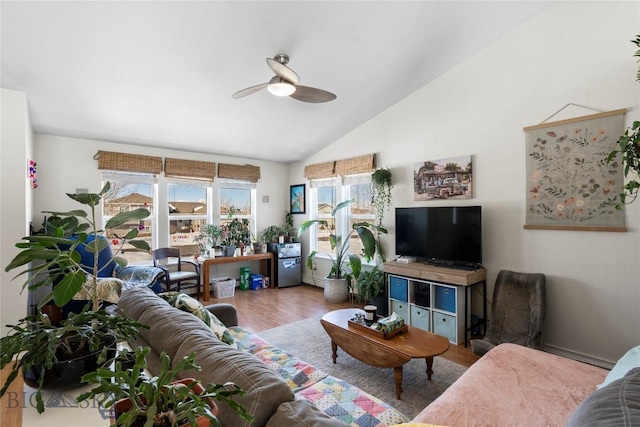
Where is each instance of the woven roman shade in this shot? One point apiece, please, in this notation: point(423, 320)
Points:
point(248, 173)
point(356, 165)
point(320, 170)
point(192, 169)
point(109, 160)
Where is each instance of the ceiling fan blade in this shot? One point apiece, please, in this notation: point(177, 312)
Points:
point(283, 71)
point(248, 91)
point(311, 94)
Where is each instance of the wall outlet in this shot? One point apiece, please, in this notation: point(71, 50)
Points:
point(315, 266)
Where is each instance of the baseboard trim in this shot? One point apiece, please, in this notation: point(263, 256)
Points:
point(559, 351)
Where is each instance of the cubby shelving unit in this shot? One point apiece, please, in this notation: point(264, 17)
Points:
point(436, 299)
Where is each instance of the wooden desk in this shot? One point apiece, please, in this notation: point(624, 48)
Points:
point(266, 268)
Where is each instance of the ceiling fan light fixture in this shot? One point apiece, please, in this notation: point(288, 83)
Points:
point(281, 87)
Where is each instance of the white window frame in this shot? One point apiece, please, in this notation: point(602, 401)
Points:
point(343, 217)
point(133, 178)
point(241, 185)
point(208, 217)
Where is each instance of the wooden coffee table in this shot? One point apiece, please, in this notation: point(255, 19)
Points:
point(376, 351)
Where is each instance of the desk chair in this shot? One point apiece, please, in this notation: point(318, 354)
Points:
point(165, 258)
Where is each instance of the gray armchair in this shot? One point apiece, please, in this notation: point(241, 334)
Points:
point(517, 313)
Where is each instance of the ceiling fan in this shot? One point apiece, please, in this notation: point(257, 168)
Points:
point(285, 83)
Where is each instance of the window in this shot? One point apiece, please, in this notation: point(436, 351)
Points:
point(239, 196)
point(360, 211)
point(128, 192)
point(325, 201)
point(189, 209)
point(325, 195)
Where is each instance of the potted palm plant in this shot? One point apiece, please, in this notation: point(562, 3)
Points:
point(344, 265)
point(139, 400)
point(36, 346)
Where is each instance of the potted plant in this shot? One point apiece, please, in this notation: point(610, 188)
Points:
point(271, 233)
point(344, 265)
point(207, 239)
point(56, 257)
point(382, 184)
point(161, 400)
point(629, 144)
point(236, 233)
point(370, 287)
point(289, 229)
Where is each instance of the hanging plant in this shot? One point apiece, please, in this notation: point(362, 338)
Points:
point(381, 200)
point(629, 144)
point(381, 195)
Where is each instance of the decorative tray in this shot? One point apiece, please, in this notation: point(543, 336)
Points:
point(383, 335)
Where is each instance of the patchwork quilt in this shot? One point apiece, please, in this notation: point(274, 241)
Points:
point(331, 395)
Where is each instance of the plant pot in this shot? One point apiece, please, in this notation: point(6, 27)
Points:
point(335, 290)
point(67, 374)
point(257, 248)
point(53, 312)
point(123, 405)
point(229, 250)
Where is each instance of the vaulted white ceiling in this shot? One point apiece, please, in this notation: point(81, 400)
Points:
point(161, 73)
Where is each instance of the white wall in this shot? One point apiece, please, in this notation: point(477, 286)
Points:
point(573, 52)
point(16, 198)
point(66, 164)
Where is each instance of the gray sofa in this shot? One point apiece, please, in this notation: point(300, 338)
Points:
point(281, 390)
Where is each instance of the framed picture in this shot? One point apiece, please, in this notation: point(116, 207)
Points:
point(296, 196)
point(443, 179)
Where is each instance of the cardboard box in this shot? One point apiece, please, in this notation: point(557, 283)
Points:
point(223, 287)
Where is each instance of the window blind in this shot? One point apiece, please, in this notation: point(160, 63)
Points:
point(248, 173)
point(192, 169)
point(109, 160)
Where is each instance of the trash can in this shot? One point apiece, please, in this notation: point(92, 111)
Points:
point(245, 274)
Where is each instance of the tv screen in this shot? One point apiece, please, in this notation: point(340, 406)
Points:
point(442, 234)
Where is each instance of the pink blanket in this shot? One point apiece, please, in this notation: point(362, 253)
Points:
point(515, 386)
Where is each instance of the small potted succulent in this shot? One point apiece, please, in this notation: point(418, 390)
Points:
point(139, 400)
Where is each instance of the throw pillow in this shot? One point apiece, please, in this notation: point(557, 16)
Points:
point(191, 305)
point(630, 360)
point(617, 404)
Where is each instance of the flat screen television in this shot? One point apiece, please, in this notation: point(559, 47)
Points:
point(441, 234)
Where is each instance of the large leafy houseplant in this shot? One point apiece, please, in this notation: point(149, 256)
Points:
point(54, 259)
point(369, 284)
point(629, 144)
point(160, 400)
point(343, 263)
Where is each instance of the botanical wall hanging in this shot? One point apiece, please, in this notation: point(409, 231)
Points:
point(441, 179)
point(570, 184)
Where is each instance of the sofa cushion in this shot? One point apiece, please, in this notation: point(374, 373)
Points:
point(301, 413)
point(630, 360)
point(191, 305)
point(264, 388)
point(168, 327)
point(133, 302)
point(617, 404)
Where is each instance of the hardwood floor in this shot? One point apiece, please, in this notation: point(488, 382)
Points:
point(269, 308)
